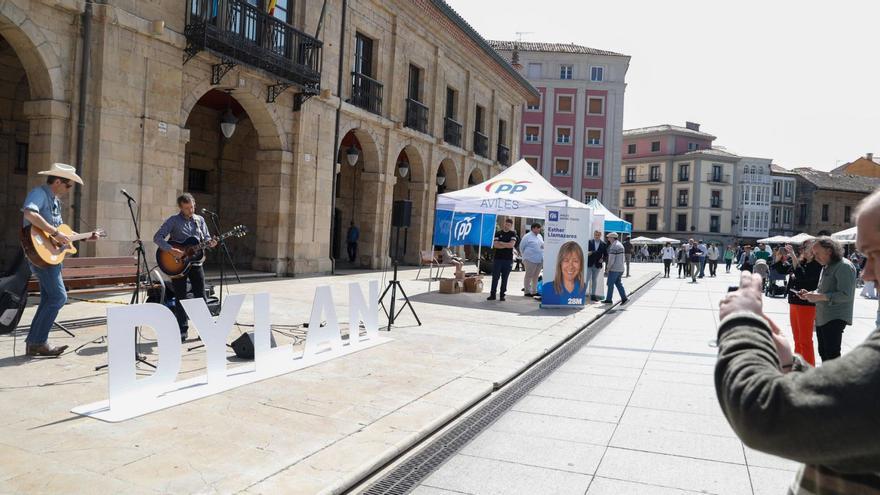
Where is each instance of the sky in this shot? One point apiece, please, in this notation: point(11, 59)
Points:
point(795, 81)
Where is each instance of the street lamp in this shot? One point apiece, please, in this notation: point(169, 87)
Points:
point(441, 177)
point(228, 120)
point(351, 155)
point(403, 168)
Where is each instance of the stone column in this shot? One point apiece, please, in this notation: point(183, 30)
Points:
point(377, 194)
point(274, 169)
point(422, 221)
point(48, 121)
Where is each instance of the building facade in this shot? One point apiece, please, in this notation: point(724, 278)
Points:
point(827, 202)
point(752, 212)
point(783, 202)
point(329, 129)
point(573, 135)
point(674, 184)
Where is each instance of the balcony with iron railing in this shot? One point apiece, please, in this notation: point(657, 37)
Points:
point(755, 179)
point(653, 201)
point(715, 203)
point(416, 116)
point(503, 154)
point(629, 201)
point(718, 178)
point(452, 131)
point(641, 178)
point(366, 93)
point(481, 144)
point(241, 33)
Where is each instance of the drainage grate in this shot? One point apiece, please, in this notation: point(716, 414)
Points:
point(406, 477)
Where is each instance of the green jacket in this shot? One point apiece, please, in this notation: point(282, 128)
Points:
point(824, 416)
point(838, 282)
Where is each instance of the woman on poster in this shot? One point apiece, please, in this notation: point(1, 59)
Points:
point(568, 286)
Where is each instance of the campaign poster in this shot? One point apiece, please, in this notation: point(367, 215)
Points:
point(566, 234)
point(463, 229)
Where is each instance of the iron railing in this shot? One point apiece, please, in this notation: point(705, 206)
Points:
point(718, 178)
point(416, 115)
point(503, 155)
point(452, 131)
point(243, 33)
point(366, 93)
point(641, 178)
point(481, 144)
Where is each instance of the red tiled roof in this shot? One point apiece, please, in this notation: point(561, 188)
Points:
point(535, 46)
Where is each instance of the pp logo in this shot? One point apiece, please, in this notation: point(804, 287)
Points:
point(463, 228)
point(508, 186)
point(553, 216)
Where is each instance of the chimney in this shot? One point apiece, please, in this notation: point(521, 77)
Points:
point(514, 61)
point(692, 126)
point(870, 156)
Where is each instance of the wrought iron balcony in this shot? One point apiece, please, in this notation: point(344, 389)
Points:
point(416, 116)
point(241, 33)
point(452, 132)
point(718, 178)
point(641, 178)
point(366, 93)
point(481, 144)
point(503, 155)
point(629, 201)
point(715, 203)
point(653, 201)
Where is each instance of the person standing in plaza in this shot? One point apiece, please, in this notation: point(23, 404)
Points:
point(803, 272)
point(597, 254)
point(747, 259)
point(704, 251)
point(713, 254)
point(682, 260)
point(351, 239)
point(532, 248)
point(615, 268)
point(505, 240)
point(667, 254)
point(728, 257)
point(823, 417)
point(833, 297)
point(761, 253)
point(695, 255)
point(627, 251)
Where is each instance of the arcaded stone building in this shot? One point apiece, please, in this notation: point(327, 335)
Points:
point(422, 104)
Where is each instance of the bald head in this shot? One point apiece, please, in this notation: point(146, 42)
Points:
point(868, 234)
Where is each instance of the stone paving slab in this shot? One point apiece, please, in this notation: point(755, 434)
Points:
point(647, 378)
point(316, 430)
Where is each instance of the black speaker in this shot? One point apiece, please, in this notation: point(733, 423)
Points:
point(401, 213)
point(244, 345)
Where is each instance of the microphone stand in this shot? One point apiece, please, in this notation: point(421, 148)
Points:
point(135, 296)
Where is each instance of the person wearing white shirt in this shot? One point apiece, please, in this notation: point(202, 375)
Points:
point(713, 253)
point(668, 254)
point(532, 249)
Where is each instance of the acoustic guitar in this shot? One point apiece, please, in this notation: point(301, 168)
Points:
point(44, 251)
point(193, 251)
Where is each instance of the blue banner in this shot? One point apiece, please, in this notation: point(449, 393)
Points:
point(463, 229)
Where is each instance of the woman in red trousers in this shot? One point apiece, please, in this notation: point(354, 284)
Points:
point(804, 274)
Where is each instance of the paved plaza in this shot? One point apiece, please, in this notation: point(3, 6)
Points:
point(633, 412)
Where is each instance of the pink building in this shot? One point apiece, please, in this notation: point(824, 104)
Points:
point(574, 135)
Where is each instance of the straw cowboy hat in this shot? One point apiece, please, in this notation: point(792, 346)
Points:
point(63, 171)
point(613, 234)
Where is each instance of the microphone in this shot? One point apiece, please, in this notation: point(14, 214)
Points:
point(206, 211)
point(125, 193)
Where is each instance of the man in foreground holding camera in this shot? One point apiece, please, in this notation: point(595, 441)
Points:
point(825, 417)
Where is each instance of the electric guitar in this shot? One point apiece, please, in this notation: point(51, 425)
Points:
point(44, 251)
point(175, 265)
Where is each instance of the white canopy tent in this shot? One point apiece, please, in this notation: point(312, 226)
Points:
point(800, 238)
point(670, 240)
point(644, 240)
point(519, 191)
point(847, 236)
point(776, 239)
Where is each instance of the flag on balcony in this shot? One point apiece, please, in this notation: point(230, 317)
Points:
point(270, 6)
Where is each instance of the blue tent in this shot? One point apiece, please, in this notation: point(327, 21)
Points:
point(613, 223)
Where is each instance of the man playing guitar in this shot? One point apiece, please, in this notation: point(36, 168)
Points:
point(179, 228)
point(42, 209)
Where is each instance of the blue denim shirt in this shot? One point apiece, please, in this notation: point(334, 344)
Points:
point(41, 200)
point(178, 228)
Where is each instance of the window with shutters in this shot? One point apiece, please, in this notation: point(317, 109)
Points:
point(596, 106)
point(533, 134)
point(594, 137)
point(562, 166)
point(565, 103)
point(563, 135)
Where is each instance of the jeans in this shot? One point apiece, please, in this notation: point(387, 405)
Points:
point(627, 258)
point(728, 263)
point(53, 296)
point(593, 276)
point(702, 266)
point(683, 268)
point(196, 276)
point(533, 270)
point(500, 269)
point(695, 270)
point(614, 280)
point(829, 336)
point(713, 264)
point(352, 251)
point(666, 264)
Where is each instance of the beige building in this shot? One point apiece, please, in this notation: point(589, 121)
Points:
point(163, 74)
point(674, 184)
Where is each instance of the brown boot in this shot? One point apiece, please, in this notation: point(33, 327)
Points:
point(45, 349)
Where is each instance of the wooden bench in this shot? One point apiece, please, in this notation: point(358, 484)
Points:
point(95, 275)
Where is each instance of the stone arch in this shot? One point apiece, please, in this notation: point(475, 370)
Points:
point(474, 176)
point(358, 194)
point(37, 55)
point(415, 188)
point(369, 140)
point(263, 116)
point(453, 179)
